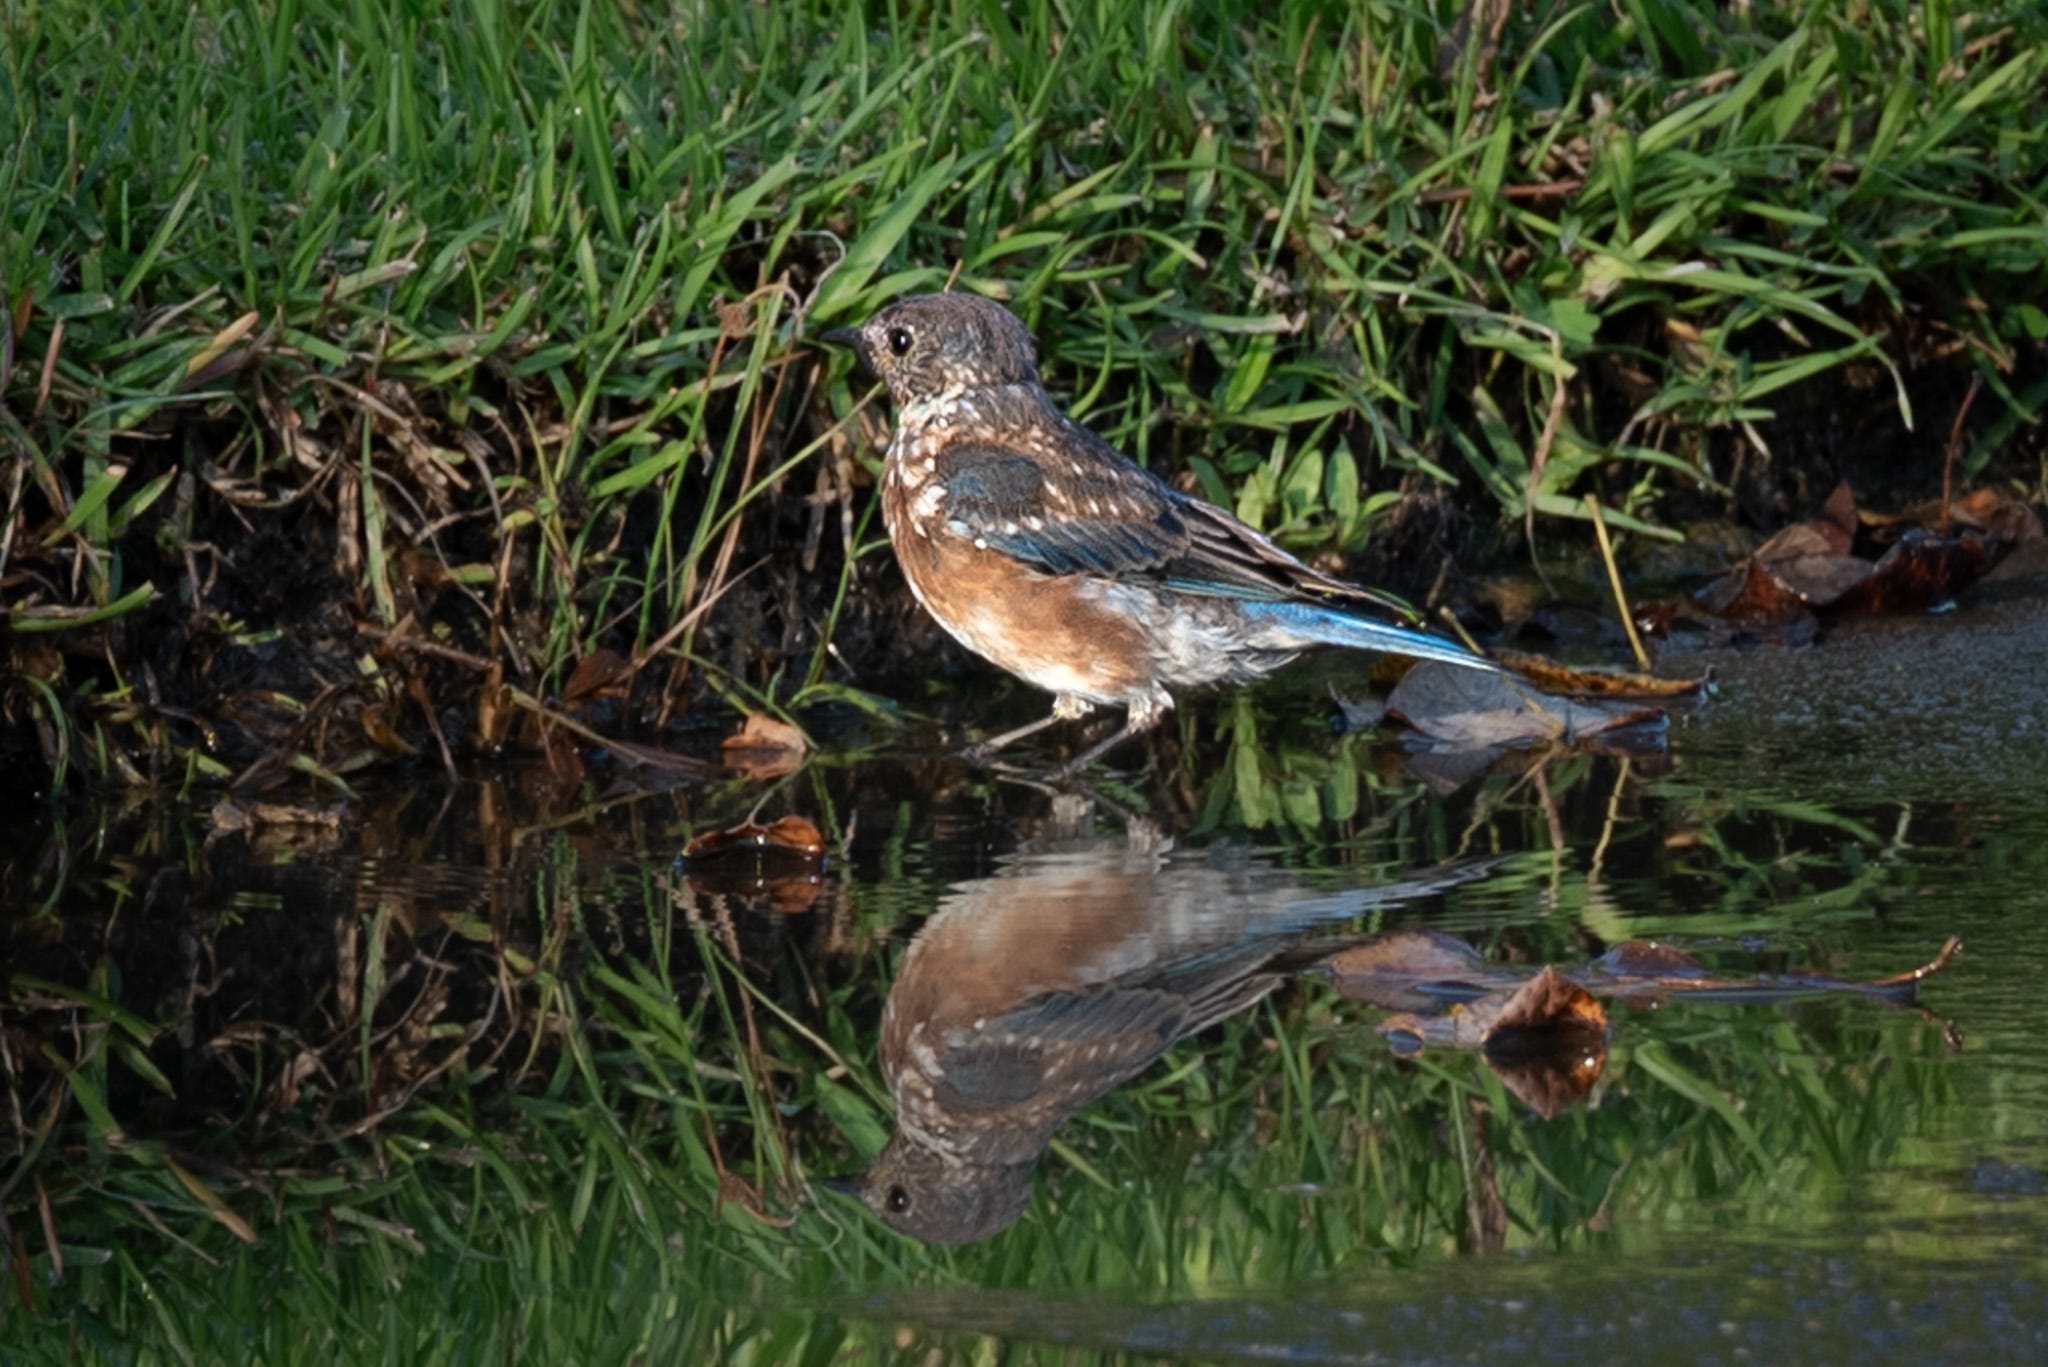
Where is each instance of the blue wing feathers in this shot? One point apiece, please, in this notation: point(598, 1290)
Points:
point(1062, 547)
point(1323, 625)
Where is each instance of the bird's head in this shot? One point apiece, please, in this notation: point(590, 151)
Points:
point(930, 345)
point(918, 1191)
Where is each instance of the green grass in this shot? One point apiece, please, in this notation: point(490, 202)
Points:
point(482, 323)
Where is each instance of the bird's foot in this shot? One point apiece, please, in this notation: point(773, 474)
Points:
point(1031, 773)
point(981, 753)
point(1004, 768)
point(1088, 758)
point(983, 750)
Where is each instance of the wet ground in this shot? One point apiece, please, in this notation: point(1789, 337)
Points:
point(486, 1070)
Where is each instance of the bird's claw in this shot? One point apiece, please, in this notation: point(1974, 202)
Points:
point(983, 756)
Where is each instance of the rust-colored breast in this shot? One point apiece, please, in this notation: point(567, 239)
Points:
point(1064, 633)
point(1071, 634)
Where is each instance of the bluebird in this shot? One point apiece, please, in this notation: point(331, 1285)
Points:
point(1041, 548)
point(1032, 993)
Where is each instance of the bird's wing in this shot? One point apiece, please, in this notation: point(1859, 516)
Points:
point(1072, 504)
point(1078, 1044)
point(1226, 556)
point(1088, 518)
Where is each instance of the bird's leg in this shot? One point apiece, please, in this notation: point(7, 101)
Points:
point(983, 749)
point(1082, 761)
point(1064, 708)
point(1144, 713)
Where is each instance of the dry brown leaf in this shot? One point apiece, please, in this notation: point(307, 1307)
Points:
point(1846, 563)
point(1553, 677)
point(1548, 1044)
point(1648, 959)
point(1548, 1001)
point(1643, 972)
point(793, 834)
point(765, 748)
point(1546, 1035)
point(781, 863)
point(602, 673)
point(1392, 970)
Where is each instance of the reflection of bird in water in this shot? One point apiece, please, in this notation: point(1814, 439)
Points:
point(1031, 993)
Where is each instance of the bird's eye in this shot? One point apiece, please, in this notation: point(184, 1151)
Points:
point(899, 341)
point(898, 1200)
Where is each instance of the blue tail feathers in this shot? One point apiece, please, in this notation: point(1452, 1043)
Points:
point(1317, 624)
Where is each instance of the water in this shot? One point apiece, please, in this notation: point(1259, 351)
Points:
point(485, 1072)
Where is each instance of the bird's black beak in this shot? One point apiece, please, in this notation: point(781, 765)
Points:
point(849, 339)
point(845, 1186)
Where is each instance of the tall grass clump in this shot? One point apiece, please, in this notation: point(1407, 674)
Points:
point(365, 369)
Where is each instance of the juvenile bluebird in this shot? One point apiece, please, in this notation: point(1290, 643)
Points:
point(1043, 549)
point(1031, 993)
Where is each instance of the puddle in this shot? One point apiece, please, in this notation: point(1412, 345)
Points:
point(486, 1069)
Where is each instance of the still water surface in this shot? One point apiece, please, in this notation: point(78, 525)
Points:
point(489, 1073)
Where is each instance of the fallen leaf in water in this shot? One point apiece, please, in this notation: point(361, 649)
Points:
point(1847, 563)
point(229, 816)
point(1546, 1040)
point(1750, 595)
point(1663, 617)
point(1546, 1035)
point(793, 834)
point(1556, 1077)
point(765, 748)
point(1548, 1043)
point(1425, 970)
point(1467, 722)
point(1548, 1001)
point(781, 863)
point(1831, 532)
point(1392, 970)
point(1465, 707)
point(279, 832)
point(1554, 677)
point(1357, 715)
point(601, 673)
point(1649, 959)
point(1807, 564)
point(1987, 510)
point(1923, 569)
point(1643, 972)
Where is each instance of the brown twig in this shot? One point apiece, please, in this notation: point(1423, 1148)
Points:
point(626, 751)
point(1955, 442)
point(1914, 975)
point(49, 371)
point(422, 645)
